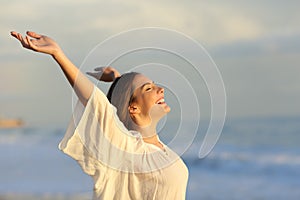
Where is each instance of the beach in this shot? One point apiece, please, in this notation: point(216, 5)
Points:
point(253, 159)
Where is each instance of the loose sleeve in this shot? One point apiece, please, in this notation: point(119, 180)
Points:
point(96, 136)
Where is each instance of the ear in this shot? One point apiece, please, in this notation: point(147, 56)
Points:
point(133, 109)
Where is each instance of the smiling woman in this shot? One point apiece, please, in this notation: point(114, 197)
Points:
point(114, 139)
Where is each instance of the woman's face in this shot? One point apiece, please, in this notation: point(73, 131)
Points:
point(148, 97)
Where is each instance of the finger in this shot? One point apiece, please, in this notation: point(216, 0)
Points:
point(117, 74)
point(100, 68)
point(14, 34)
point(19, 37)
point(30, 44)
point(33, 34)
point(23, 42)
point(92, 74)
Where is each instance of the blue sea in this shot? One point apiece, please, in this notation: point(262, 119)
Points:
point(255, 158)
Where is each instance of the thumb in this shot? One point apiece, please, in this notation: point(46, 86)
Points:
point(33, 34)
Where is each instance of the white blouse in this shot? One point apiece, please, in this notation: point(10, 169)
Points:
point(121, 164)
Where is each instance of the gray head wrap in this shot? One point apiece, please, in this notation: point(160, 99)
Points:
point(120, 94)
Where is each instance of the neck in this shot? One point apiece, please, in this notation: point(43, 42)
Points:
point(145, 125)
point(153, 139)
point(147, 131)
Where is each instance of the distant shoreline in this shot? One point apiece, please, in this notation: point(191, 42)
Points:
point(26, 196)
point(11, 123)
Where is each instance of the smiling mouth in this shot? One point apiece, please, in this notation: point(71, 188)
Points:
point(161, 101)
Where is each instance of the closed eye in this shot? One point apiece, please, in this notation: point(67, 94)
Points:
point(147, 86)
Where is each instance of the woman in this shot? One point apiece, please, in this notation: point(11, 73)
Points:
point(114, 138)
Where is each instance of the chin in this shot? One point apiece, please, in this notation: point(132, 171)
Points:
point(167, 109)
point(159, 111)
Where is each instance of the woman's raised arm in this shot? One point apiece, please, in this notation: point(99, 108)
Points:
point(82, 86)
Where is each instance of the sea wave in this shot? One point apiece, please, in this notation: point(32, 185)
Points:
point(248, 156)
point(251, 162)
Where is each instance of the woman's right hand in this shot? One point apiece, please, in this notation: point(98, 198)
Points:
point(82, 86)
point(37, 42)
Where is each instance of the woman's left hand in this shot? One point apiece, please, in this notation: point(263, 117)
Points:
point(106, 74)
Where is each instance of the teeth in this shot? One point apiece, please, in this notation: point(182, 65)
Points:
point(161, 101)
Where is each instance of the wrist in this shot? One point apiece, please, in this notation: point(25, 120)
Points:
point(57, 54)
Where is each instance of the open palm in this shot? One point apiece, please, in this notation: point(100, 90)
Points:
point(37, 42)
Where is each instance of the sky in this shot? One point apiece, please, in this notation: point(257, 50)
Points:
point(255, 44)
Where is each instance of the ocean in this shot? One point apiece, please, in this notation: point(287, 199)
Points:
point(255, 159)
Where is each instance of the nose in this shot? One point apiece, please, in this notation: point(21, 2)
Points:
point(160, 89)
